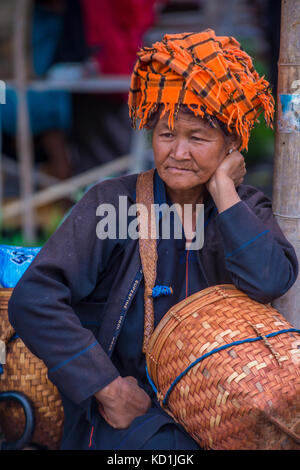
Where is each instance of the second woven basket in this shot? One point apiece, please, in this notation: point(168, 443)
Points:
point(26, 373)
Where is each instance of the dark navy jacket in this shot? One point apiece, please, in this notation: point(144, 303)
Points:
point(73, 304)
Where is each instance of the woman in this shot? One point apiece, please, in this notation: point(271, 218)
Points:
point(80, 305)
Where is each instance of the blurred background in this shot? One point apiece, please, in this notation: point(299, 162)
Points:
point(66, 66)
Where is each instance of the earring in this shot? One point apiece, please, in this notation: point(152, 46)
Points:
point(230, 151)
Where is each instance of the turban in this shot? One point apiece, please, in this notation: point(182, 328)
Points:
point(210, 74)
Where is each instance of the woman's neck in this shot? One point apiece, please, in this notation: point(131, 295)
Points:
point(193, 196)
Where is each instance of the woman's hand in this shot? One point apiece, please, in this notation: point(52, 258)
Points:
point(229, 174)
point(233, 167)
point(122, 401)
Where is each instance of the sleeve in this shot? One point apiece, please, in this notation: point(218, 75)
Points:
point(259, 258)
point(65, 271)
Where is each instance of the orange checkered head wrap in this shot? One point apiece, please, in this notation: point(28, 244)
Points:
point(209, 74)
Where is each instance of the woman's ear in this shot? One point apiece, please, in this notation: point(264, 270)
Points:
point(234, 142)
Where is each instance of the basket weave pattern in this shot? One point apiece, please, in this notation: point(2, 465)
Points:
point(243, 397)
point(26, 373)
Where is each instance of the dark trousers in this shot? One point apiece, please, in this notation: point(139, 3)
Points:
point(153, 431)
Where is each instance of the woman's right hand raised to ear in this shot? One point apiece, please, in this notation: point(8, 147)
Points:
point(222, 184)
point(232, 167)
point(121, 401)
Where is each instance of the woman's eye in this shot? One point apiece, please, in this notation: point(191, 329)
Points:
point(167, 134)
point(197, 139)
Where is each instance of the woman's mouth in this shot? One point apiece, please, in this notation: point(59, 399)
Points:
point(174, 169)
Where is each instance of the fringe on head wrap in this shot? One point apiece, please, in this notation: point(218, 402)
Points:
point(210, 74)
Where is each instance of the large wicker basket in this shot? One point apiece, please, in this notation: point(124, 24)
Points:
point(26, 373)
point(228, 369)
point(224, 366)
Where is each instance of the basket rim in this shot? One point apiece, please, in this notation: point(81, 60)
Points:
point(197, 295)
point(219, 291)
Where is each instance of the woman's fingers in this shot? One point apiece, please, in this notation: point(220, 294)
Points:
point(234, 166)
point(129, 401)
point(131, 379)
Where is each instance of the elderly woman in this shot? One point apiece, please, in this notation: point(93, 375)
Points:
point(80, 305)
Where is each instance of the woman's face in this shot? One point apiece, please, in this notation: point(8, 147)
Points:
point(187, 156)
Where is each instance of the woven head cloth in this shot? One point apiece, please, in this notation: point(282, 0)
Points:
point(210, 74)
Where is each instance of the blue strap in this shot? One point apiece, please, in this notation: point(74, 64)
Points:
point(213, 351)
point(151, 381)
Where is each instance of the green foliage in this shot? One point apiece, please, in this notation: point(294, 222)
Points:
point(261, 145)
point(14, 236)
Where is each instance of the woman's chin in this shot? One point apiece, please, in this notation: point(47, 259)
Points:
point(182, 182)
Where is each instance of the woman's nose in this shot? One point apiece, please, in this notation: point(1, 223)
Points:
point(180, 150)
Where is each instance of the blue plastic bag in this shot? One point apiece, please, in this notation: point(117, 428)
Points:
point(14, 260)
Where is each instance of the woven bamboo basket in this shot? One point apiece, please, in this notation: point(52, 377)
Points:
point(228, 369)
point(24, 372)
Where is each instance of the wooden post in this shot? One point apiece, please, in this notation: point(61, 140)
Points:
point(24, 139)
point(286, 182)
